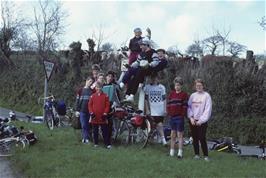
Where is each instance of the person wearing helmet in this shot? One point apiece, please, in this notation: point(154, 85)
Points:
point(147, 59)
point(134, 48)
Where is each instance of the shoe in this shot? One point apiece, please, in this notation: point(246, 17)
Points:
point(179, 156)
point(140, 85)
point(164, 142)
point(130, 98)
point(207, 159)
point(95, 146)
point(109, 147)
point(196, 157)
point(85, 141)
point(121, 85)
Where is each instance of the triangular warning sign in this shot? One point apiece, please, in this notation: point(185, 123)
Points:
point(48, 68)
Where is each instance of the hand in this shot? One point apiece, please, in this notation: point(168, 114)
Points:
point(104, 116)
point(192, 121)
point(77, 114)
point(127, 65)
point(92, 115)
point(197, 123)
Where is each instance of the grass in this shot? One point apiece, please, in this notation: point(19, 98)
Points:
point(59, 153)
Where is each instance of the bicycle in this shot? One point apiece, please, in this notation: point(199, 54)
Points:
point(261, 156)
point(132, 127)
point(52, 117)
point(10, 139)
point(226, 145)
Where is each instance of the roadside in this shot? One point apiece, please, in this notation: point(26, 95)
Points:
point(6, 169)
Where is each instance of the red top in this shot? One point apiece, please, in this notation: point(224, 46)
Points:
point(99, 104)
point(177, 104)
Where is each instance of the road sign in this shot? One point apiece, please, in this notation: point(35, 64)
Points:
point(48, 68)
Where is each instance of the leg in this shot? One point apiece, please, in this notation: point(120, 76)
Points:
point(95, 133)
point(172, 144)
point(84, 120)
point(106, 137)
point(180, 131)
point(202, 138)
point(159, 123)
point(194, 132)
point(110, 128)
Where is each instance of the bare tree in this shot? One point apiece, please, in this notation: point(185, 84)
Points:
point(262, 22)
point(173, 50)
point(195, 49)
point(107, 47)
point(224, 36)
point(48, 25)
point(10, 28)
point(212, 43)
point(235, 48)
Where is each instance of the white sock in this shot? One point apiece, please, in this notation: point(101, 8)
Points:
point(180, 152)
point(163, 140)
point(172, 152)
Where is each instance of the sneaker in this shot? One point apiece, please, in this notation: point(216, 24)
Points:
point(196, 157)
point(121, 85)
point(179, 156)
point(164, 142)
point(95, 146)
point(207, 159)
point(109, 147)
point(140, 85)
point(85, 141)
point(130, 98)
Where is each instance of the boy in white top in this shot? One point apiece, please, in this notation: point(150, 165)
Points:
point(155, 95)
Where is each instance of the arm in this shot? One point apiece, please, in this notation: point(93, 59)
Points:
point(185, 105)
point(207, 111)
point(155, 60)
point(77, 104)
point(164, 99)
point(90, 104)
point(190, 111)
point(107, 105)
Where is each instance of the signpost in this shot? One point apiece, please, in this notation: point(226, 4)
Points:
point(48, 69)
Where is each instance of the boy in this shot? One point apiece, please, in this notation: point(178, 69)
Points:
point(177, 109)
point(82, 111)
point(155, 94)
point(99, 107)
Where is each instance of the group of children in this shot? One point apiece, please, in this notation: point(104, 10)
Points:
point(96, 99)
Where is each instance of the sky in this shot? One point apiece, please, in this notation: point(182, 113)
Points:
point(173, 23)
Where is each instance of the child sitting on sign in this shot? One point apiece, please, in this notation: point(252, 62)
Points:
point(99, 107)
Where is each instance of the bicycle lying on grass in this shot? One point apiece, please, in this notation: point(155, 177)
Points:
point(13, 139)
point(225, 144)
point(56, 114)
point(260, 156)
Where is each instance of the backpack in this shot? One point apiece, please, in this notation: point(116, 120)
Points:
point(61, 108)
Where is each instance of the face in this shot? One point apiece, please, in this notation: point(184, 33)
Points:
point(138, 34)
point(161, 55)
point(89, 82)
point(143, 47)
point(98, 89)
point(101, 79)
point(109, 78)
point(95, 73)
point(178, 87)
point(199, 87)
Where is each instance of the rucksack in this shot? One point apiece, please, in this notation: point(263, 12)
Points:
point(61, 108)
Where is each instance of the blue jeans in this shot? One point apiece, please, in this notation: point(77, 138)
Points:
point(84, 121)
point(129, 74)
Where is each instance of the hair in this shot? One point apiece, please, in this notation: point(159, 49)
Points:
point(199, 81)
point(95, 67)
point(178, 80)
point(161, 50)
point(98, 85)
point(111, 73)
point(89, 78)
point(100, 74)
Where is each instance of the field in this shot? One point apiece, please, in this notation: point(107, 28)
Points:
point(59, 153)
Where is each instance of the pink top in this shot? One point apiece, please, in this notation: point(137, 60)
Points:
point(200, 106)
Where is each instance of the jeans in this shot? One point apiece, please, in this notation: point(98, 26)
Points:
point(84, 121)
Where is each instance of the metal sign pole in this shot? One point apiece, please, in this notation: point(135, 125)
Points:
point(45, 93)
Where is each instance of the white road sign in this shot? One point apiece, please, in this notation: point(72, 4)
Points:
point(48, 68)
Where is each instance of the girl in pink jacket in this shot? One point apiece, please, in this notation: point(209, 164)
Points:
point(199, 112)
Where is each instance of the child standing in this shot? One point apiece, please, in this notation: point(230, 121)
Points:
point(199, 112)
point(177, 109)
point(155, 94)
point(99, 106)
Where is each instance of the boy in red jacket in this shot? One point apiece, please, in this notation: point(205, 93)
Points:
point(99, 106)
point(177, 109)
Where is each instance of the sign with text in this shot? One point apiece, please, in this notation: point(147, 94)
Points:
point(48, 68)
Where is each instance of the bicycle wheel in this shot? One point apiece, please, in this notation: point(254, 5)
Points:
point(139, 135)
point(49, 119)
point(153, 138)
point(8, 146)
point(122, 133)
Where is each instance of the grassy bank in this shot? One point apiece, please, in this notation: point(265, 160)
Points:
point(58, 153)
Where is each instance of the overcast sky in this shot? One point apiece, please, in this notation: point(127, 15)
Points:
point(172, 22)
